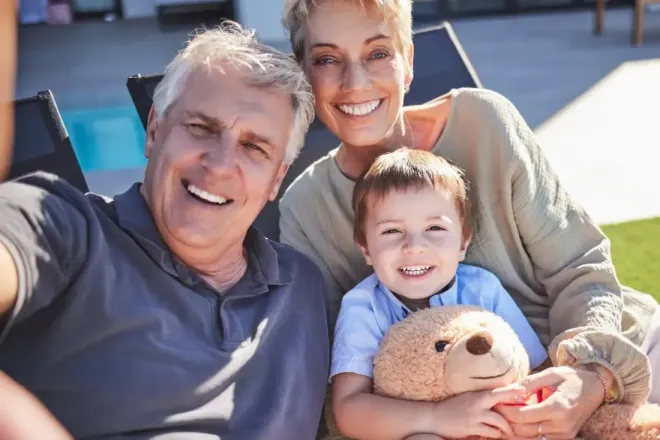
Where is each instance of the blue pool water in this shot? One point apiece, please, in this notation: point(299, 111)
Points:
point(107, 138)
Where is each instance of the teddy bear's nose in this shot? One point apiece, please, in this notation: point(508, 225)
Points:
point(479, 343)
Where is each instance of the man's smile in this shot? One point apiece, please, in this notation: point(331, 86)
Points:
point(205, 196)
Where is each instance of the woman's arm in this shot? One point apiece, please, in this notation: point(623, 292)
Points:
point(571, 258)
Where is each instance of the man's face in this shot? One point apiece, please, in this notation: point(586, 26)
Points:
point(215, 159)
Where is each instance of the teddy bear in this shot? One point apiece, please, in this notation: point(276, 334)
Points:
point(439, 352)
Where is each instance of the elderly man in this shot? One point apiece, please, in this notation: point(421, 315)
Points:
point(161, 313)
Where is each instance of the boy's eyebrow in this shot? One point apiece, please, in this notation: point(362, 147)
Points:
point(443, 218)
point(382, 222)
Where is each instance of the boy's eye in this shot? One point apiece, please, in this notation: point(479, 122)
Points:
point(390, 231)
point(436, 228)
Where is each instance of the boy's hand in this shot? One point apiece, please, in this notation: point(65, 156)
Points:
point(471, 413)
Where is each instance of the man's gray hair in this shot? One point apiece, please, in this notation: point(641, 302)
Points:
point(264, 66)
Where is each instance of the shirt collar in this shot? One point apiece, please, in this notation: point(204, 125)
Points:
point(134, 217)
point(445, 297)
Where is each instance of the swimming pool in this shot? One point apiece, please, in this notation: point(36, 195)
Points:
point(107, 138)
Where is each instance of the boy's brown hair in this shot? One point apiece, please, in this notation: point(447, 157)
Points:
point(403, 169)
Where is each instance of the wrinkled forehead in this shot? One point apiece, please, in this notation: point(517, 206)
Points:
point(231, 95)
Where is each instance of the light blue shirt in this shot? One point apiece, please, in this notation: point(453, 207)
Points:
point(369, 309)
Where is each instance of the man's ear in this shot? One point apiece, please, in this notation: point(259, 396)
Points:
point(410, 58)
point(278, 181)
point(152, 125)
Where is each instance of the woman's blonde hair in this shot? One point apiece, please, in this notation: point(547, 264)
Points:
point(397, 13)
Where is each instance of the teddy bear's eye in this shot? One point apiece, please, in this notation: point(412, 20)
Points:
point(440, 346)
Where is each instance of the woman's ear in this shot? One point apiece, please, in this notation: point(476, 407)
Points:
point(152, 125)
point(410, 57)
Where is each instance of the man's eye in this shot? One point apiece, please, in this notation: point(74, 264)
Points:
point(199, 129)
point(253, 146)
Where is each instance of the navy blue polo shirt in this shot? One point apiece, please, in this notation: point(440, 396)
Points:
point(119, 339)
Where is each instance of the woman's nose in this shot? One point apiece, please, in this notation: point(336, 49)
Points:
point(356, 77)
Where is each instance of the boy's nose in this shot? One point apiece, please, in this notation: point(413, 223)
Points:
point(415, 245)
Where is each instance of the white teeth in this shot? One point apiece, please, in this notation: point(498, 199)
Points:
point(360, 109)
point(211, 198)
point(415, 270)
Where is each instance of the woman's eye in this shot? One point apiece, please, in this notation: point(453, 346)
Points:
point(379, 55)
point(323, 61)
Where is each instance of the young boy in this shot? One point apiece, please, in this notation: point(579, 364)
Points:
point(412, 224)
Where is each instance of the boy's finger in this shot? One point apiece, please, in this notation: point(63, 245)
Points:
point(511, 394)
point(495, 420)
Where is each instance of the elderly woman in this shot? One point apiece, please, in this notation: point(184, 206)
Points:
point(548, 253)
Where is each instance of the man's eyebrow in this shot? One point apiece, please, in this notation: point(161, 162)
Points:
point(367, 41)
point(206, 118)
point(259, 139)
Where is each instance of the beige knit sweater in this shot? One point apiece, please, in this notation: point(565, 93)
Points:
point(551, 257)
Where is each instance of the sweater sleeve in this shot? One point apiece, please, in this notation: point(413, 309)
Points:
point(292, 234)
point(571, 258)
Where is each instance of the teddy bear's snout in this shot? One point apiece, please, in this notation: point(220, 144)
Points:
point(479, 343)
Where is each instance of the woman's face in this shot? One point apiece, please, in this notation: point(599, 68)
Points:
point(357, 70)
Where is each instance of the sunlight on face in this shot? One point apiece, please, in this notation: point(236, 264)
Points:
point(357, 71)
point(414, 241)
point(216, 158)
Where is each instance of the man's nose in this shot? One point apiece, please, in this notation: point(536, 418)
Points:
point(356, 76)
point(414, 245)
point(222, 158)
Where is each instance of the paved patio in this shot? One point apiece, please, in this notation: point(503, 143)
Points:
point(593, 101)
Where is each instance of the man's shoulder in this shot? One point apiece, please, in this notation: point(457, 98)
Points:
point(313, 180)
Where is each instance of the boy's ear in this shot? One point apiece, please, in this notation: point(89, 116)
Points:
point(365, 252)
point(464, 247)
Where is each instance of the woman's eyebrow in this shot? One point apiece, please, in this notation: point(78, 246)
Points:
point(367, 41)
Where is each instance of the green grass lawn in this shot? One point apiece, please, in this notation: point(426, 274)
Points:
point(636, 254)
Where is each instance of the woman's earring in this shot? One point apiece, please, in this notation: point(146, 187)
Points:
point(407, 89)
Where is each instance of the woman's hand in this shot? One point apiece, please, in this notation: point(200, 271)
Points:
point(472, 413)
point(576, 394)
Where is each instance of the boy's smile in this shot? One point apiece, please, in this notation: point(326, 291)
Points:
point(414, 240)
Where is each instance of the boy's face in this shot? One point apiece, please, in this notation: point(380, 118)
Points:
point(414, 241)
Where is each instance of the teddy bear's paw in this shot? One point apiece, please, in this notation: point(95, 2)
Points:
point(617, 422)
point(647, 417)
